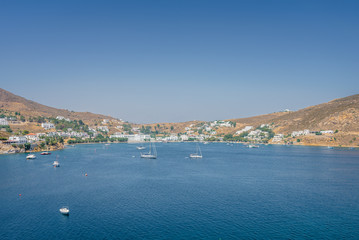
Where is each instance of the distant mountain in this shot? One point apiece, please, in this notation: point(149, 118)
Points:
point(14, 103)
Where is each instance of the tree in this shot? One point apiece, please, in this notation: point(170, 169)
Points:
point(172, 128)
point(228, 137)
point(27, 146)
point(22, 118)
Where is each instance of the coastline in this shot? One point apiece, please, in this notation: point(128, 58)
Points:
point(8, 149)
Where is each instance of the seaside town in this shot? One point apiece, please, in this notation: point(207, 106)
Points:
point(56, 133)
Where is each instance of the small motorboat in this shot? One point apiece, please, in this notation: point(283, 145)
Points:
point(141, 147)
point(65, 210)
point(253, 146)
point(56, 164)
point(46, 153)
point(31, 156)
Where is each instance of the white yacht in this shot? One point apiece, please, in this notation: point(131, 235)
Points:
point(31, 156)
point(141, 147)
point(198, 154)
point(65, 210)
point(152, 154)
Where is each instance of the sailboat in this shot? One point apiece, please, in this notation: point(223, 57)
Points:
point(198, 154)
point(151, 154)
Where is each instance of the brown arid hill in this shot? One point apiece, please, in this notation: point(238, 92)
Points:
point(13, 103)
point(339, 114)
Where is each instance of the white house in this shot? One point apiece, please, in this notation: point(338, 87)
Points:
point(132, 137)
point(184, 137)
point(47, 126)
point(300, 133)
point(32, 137)
point(327, 132)
point(278, 138)
point(225, 124)
point(3, 121)
point(103, 128)
point(245, 129)
point(105, 121)
point(18, 139)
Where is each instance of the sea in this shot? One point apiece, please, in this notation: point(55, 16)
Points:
point(233, 192)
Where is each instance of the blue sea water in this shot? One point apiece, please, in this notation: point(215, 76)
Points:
point(234, 192)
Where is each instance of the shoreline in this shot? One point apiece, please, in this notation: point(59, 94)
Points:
point(13, 150)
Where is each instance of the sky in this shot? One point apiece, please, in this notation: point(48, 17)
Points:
point(173, 61)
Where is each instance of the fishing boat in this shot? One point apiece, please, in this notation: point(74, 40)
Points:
point(45, 153)
point(65, 210)
point(31, 156)
point(198, 153)
point(141, 147)
point(152, 154)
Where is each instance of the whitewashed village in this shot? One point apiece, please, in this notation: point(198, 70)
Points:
point(58, 132)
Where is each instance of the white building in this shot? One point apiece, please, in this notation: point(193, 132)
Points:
point(173, 137)
point(105, 121)
point(18, 139)
point(63, 118)
point(225, 124)
point(32, 137)
point(278, 138)
point(245, 129)
point(184, 137)
point(3, 121)
point(103, 128)
point(327, 132)
point(132, 137)
point(300, 133)
point(47, 126)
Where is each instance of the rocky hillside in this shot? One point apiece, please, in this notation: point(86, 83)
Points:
point(13, 103)
point(340, 114)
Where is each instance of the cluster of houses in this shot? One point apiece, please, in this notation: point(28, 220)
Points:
point(279, 137)
point(4, 121)
point(308, 132)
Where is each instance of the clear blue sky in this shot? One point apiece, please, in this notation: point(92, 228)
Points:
point(170, 61)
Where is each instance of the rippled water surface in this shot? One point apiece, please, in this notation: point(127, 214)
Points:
point(273, 192)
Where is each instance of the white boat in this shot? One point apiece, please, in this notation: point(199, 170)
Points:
point(205, 142)
point(198, 154)
point(107, 144)
point(253, 146)
point(56, 164)
point(65, 210)
point(141, 147)
point(31, 156)
point(152, 154)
